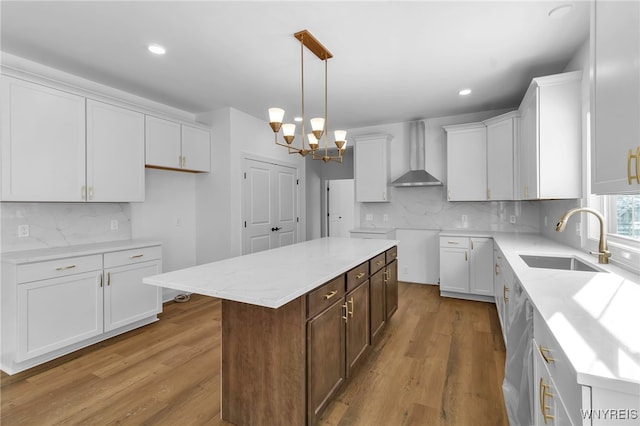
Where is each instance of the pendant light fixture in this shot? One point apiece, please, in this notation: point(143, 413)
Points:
point(318, 125)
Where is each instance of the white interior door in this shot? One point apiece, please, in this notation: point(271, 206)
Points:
point(340, 207)
point(270, 206)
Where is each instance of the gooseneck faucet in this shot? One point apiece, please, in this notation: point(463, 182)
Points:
point(603, 252)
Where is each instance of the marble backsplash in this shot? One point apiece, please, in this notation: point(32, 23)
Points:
point(428, 208)
point(62, 224)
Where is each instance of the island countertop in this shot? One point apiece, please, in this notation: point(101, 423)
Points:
point(272, 278)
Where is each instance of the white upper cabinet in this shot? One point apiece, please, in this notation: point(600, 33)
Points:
point(196, 146)
point(43, 143)
point(502, 139)
point(466, 162)
point(177, 146)
point(550, 138)
point(371, 168)
point(115, 153)
point(615, 97)
point(162, 142)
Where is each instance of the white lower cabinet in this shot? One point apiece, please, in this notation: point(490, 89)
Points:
point(548, 407)
point(55, 306)
point(466, 267)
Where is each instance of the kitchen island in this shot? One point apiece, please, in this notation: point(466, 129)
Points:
point(296, 321)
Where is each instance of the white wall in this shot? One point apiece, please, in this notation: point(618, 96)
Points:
point(236, 135)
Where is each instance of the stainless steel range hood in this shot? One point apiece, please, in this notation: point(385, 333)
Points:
point(417, 176)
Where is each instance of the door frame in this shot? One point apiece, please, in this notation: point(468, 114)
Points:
point(244, 207)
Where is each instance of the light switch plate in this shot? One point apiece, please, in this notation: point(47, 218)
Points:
point(369, 216)
point(23, 231)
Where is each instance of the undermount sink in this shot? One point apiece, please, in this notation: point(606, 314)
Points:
point(568, 263)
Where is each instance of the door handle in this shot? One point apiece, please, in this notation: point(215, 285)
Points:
point(277, 228)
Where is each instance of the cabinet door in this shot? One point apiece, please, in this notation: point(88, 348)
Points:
point(325, 357)
point(371, 169)
point(481, 266)
point(454, 269)
point(43, 143)
point(378, 311)
point(499, 290)
point(391, 289)
point(357, 328)
point(548, 406)
point(500, 159)
point(528, 153)
point(162, 143)
point(467, 163)
point(58, 312)
point(127, 299)
point(615, 97)
point(196, 146)
point(115, 153)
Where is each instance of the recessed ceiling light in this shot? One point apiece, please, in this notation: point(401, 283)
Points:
point(464, 92)
point(298, 119)
point(560, 11)
point(157, 49)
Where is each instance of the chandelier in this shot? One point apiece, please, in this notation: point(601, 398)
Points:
point(318, 125)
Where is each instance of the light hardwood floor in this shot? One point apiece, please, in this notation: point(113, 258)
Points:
point(439, 362)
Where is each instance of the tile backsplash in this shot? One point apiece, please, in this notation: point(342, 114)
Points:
point(427, 208)
point(62, 224)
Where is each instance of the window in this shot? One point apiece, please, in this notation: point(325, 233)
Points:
point(623, 215)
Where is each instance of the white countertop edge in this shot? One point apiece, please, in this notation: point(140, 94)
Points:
point(52, 253)
point(371, 230)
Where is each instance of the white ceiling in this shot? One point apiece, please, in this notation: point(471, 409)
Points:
point(393, 61)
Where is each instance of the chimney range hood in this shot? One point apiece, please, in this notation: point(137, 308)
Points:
point(417, 176)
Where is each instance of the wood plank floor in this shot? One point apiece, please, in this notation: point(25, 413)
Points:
point(439, 362)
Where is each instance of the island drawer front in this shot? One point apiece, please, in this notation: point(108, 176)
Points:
point(377, 263)
point(58, 268)
point(321, 298)
point(357, 275)
point(392, 254)
point(455, 242)
point(127, 257)
point(562, 372)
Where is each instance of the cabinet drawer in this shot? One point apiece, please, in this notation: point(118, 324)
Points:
point(357, 275)
point(563, 374)
point(377, 263)
point(321, 298)
point(392, 254)
point(127, 257)
point(58, 268)
point(458, 242)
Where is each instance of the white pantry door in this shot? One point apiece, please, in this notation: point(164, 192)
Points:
point(340, 207)
point(270, 206)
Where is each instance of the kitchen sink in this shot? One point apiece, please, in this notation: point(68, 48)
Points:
point(568, 263)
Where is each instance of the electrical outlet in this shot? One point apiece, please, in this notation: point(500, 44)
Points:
point(114, 224)
point(385, 218)
point(512, 219)
point(23, 231)
point(178, 222)
point(464, 218)
point(369, 216)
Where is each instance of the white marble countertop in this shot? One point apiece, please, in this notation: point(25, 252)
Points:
point(275, 277)
point(44, 254)
point(372, 230)
point(594, 316)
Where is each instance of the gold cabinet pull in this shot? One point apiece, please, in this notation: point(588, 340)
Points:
point(180, 163)
point(184, 161)
point(526, 191)
point(360, 275)
point(543, 401)
point(379, 263)
point(471, 244)
point(83, 192)
point(136, 256)
point(351, 311)
point(386, 275)
point(497, 269)
point(466, 257)
point(543, 351)
point(630, 177)
point(452, 242)
point(638, 164)
point(330, 294)
point(91, 192)
point(345, 316)
point(62, 268)
point(505, 289)
point(100, 280)
point(488, 194)
point(108, 278)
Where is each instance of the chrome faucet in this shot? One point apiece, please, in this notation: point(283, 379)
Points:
point(603, 252)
